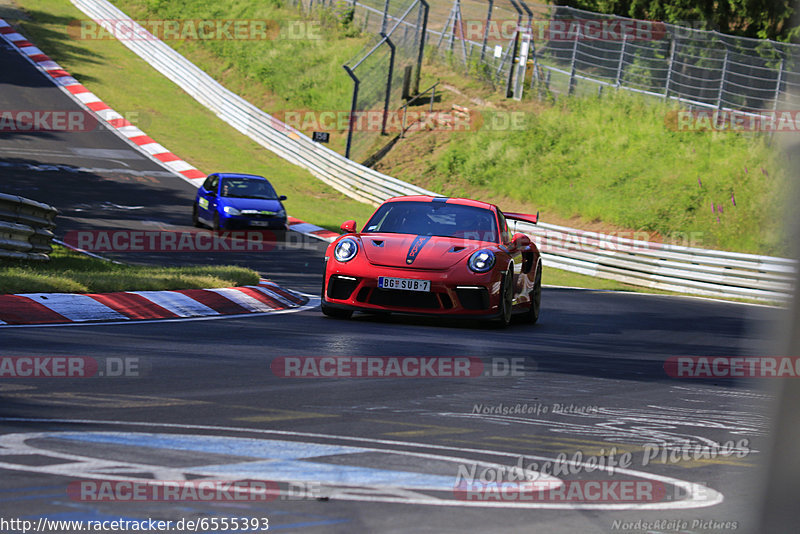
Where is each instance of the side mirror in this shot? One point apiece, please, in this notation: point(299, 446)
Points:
point(520, 241)
point(349, 227)
point(282, 197)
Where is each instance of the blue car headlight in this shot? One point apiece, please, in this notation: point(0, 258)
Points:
point(230, 210)
point(481, 261)
point(345, 250)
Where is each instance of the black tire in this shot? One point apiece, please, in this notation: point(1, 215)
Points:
point(195, 220)
point(506, 299)
point(536, 297)
point(335, 313)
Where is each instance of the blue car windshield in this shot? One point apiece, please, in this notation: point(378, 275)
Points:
point(247, 188)
point(434, 219)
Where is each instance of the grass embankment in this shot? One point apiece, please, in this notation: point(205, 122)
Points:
point(71, 272)
point(613, 159)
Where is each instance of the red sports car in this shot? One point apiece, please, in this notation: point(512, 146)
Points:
point(434, 256)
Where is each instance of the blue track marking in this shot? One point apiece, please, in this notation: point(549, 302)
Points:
point(275, 460)
point(331, 474)
point(252, 448)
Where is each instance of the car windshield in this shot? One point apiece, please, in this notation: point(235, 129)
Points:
point(247, 188)
point(434, 219)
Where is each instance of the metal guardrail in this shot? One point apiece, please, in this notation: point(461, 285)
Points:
point(25, 228)
point(669, 267)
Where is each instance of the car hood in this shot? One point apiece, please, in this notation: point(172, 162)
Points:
point(418, 252)
point(252, 204)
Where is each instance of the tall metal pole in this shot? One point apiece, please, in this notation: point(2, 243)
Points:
point(418, 72)
point(385, 16)
point(353, 107)
point(571, 87)
point(778, 85)
point(510, 81)
point(388, 83)
point(486, 29)
point(621, 60)
point(722, 80)
point(672, 46)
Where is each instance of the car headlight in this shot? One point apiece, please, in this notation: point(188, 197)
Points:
point(345, 250)
point(481, 261)
point(230, 210)
point(280, 213)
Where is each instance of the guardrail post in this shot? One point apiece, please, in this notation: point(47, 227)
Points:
point(388, 83)
point(353, 107)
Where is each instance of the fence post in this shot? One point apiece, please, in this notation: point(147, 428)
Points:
point(571, 88)
point(353, 107)
point(388, 83)
point(418, 72)
point(669, 67)
point(778, 85)
point(722, 80)
point(618, 81)
point(486, 29)
point(511, 68)
point(385, 16)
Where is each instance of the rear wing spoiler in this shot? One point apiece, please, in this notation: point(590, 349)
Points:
point(533, 219)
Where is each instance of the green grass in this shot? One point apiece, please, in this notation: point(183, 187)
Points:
point(71, 272)
point(614, 160)
point(173, 118)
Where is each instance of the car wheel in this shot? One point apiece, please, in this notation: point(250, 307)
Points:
point(336, 313)
point(536, 296)
point(506, 299)
point(195, 220)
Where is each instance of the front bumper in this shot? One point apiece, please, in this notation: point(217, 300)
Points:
point(465, 294)
point(258, 223)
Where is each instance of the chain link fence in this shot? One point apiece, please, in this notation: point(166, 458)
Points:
point(386, 71)
point(575, 51)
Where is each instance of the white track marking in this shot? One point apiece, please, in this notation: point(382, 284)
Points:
point(700, 496)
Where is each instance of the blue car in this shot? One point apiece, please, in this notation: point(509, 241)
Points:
point(229, 201)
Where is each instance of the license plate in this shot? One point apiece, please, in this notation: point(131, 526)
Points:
point(406, 284)
point(259, 223)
